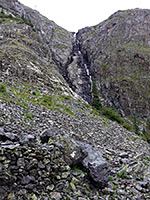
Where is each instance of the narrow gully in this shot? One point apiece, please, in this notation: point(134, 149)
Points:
point(84, 84)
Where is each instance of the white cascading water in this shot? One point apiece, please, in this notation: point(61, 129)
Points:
point(83, 66)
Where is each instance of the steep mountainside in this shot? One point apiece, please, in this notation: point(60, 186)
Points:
point(117, 54)
point(53, 144)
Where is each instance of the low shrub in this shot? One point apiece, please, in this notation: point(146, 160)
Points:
point(2, 88)
point(112, 114)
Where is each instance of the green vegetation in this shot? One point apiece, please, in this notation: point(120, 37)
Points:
point(131, 138)
point(46, 101)
point(23, 96)
point(109, 113)
point(2, 88)
point(144, 162)
point(86, 105)
point(28, 22)
point(4, 17)
point(115, 197)
point(135, 124)
point(114, 187)
point(28, 116)
point(22, 20)
point(67, 110)
point(122, 173)
point(77, 169)
point(105, 124)
point(145, 134)
point(148, 158)
point(96, 101)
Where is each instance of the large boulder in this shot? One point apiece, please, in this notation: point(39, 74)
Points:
point(55, 136)
point(98, 168)
point(81, 154)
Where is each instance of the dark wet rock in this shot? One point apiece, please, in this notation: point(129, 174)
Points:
point(4, 136)
point(143, 183)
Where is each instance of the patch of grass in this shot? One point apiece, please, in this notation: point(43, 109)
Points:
point(85, 105)
point(5, 17)
point(2, 88)
point(114, 187)
point(122, 173)
point(24, 94)
point(28, 116)
point(131, 138)
point(105, 124)
point(115, 197)
point(67, 110)
point(144, 162)
point(46, 100)
point(111, 178)
point(96, 101)
point(145, 137)
point(135, 124)
point(133, 155)
point(148, 158)
point(28, 22)
point(58, 110)
point(64, 98)
point(112, 115)
point(75, 168)
point(145, 134)
point(128, 126)
point(17, 18)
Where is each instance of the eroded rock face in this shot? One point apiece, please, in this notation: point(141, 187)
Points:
point(77, 72)
point(118, 54)
point(33, 48)
point(56, 38)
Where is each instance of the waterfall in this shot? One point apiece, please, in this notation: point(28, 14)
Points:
point(81, 80)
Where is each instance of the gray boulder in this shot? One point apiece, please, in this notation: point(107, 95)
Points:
point(78, 153)
point(98, 168)
point(71, 149)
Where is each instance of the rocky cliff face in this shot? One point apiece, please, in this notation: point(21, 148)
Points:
point(117, 52)
point(53, 145)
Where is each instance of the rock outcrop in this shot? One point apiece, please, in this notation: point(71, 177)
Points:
point(118, 58)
